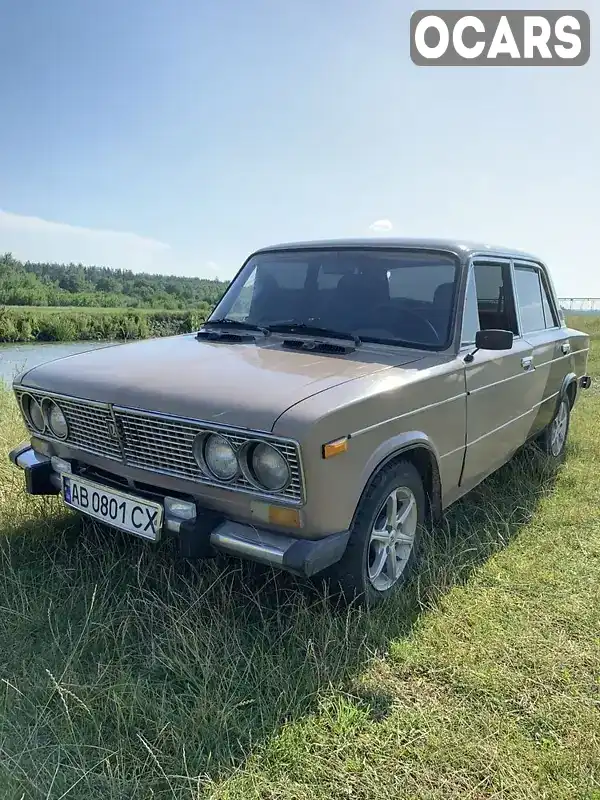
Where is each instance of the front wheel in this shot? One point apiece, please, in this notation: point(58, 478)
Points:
point(385, 536)
point(553, 440)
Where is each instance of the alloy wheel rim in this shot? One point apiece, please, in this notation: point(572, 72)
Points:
point(558, 433)
point(392, 538)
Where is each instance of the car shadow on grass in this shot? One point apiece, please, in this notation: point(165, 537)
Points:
point(131, 668)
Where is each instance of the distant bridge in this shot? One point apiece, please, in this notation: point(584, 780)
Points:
point(581, 305)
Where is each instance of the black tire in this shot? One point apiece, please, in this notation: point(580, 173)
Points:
point(547, 441)
point(349, 578)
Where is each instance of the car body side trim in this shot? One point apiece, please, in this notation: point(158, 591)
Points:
point(452, 452)
point(520, 374)
point(561, 358)
point(498, 383)
point(369, 428)
point(514, 419)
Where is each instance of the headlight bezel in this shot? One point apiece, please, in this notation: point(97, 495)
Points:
point(27, 400)
point(199, 451)
point(247, 460)
point(48, 406)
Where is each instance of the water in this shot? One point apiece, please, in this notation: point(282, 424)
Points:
point(14, 358)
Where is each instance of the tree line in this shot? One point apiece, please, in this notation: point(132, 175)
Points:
point(48, 284)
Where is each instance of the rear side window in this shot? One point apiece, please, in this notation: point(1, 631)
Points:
point(549, 314)
point(532, 297)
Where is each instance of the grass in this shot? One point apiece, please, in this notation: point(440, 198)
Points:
point(126, 674)
point(56, 324)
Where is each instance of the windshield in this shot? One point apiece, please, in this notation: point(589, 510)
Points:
point(391, 296)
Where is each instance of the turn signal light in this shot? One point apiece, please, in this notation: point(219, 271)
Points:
point(290, 517)
point(335, 448)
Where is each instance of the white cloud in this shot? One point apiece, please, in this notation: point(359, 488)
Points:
point(381, 226)
point(35, 239)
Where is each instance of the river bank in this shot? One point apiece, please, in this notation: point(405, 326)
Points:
point(17, 357)
point(21, 324)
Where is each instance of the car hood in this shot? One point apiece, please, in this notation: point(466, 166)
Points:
point(243, 385)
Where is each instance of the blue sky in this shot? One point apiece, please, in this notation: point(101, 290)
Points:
point(178, 136)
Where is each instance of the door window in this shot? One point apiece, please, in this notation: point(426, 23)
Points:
point(495, 302)
point(529, 297)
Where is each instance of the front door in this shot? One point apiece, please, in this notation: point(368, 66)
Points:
point(501, 386)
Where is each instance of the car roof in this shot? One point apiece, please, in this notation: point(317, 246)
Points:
point(460, 247)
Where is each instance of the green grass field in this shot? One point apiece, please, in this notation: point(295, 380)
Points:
point(126, 674)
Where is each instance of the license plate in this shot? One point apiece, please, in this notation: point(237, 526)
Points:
point(123, 511)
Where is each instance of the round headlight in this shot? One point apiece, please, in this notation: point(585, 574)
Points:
point(33, 413)
point(219, 457)
point(269, 467)
point(56, 420)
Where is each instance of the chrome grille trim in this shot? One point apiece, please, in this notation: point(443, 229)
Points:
point(150, 438)
point(87, 421)
point(161, 443)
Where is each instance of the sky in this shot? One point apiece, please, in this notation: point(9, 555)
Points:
point(179, 136)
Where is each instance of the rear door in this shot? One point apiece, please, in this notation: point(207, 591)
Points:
point(540, 326)
point(501, 388)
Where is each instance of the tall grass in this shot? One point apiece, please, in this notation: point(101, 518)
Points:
point(22, 324)
point(128, 674)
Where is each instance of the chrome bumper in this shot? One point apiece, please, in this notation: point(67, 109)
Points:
point(209, 530)
point(300, 556)
point(30, 459)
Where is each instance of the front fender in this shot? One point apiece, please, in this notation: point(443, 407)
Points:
point(391, 448)
point(422, 451)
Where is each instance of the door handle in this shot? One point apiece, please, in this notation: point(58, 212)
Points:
point(566, 348)
point(527, 362)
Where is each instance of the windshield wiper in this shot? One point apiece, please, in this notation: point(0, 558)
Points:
point(235, 323)
point(312, 330)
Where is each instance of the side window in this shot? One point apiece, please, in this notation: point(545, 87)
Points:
point(470, 323)
point(495, 302)
point(529, 296)
point(549, 315)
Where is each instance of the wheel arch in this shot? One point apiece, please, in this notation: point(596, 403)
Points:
point(568, 389)
point(420, 451)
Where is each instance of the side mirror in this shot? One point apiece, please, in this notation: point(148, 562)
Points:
point(494, 340)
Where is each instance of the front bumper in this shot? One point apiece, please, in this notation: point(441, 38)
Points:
point(209, 531)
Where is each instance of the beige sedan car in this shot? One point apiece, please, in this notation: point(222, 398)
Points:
point(341, 395)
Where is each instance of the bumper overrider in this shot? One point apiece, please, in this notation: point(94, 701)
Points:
point(202, 532)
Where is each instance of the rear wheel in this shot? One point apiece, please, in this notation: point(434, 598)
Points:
point(385, 536)
point(553, 440)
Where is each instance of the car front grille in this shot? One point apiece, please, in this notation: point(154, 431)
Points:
point(153, 441)
point(89, 425)
point(159, 443)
